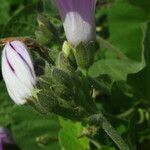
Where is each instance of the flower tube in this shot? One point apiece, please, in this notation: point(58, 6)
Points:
point(78, 20)
point(18, 71)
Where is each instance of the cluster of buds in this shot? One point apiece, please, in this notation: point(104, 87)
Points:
point(62, 89)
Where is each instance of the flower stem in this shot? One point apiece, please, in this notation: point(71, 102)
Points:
point(100, 120)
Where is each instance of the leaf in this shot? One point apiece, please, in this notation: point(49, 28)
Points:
point(69, 136)
point(125, 24)
point(34, 131)
point(5, 106)
point(117, 69)
point(141, 83)
point(107, 148)
point(142, 4)
point(141, 80)
point(4, 12)
point(24, 22)
point(49, 7)
point(121, 98)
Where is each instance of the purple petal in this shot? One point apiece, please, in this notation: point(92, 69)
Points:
point(85, 8)
point(78, 18)
point(5, 136)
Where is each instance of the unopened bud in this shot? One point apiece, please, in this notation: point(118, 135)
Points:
point(65, 63)
point(18, 71)
point(43, 101)
point(61, 77)
point(47, 28)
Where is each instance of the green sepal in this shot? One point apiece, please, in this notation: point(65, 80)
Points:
point(77, 113)
point(84, 55)
point(43, 101)
point(61, 77)
point(48, 29)
point(65, 63)
point(67, 49)
point(64, 92)
point(41, 38)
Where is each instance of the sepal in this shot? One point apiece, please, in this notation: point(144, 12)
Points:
point(61, 77)
point(67, 49)
point(47, 28)
point(64, 92)
point(84, 55)
point(43, 101)
point(65, 63)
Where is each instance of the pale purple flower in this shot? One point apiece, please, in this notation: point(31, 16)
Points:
point(18, 71)
point(5, 137)
point(78, 20)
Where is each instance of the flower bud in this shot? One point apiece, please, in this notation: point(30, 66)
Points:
point(78, 20)
point(47, 27)
point(66, 64)
point(61, 77)
point(18, 71)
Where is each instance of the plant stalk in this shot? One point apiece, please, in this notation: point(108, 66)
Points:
point(100, 120)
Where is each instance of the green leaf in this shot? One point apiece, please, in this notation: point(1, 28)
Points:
point(49, 7)
point(125, 24)
point(107, 148)
point(142, 4)
point(141, 80)
point(69, 136)
point(117, 69)
point(5, 106)
point(121, 97)
point(24, 22)
point(34, 131)
point(4, 12)
point(141, 83)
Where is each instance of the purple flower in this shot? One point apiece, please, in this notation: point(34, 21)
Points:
point(5, 137)
point(18, 71)
point(78, 20)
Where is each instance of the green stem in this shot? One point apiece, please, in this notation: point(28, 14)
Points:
point(70, 113)
point(126, 113)
point(100, 120)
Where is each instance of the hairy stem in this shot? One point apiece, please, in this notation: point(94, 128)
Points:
point(100, 120)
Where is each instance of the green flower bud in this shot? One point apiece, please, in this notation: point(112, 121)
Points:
point(43, 101)
point(61, 77)
point(47, 27)
point(64, 92)
point(65, 63)
point(41, 38)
